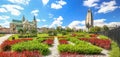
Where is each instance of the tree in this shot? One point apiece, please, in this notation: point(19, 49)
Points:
point(20, 31)
point(105, 28)
point(95, 29)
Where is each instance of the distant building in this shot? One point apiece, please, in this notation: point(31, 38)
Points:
point(4, 30)
point(24, 24)
point(89, 19)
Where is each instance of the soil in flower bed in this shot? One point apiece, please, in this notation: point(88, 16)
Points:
point(104, 43)
point(21, 54)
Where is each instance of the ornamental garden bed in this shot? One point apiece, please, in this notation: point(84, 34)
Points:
point(24, 47)
point(104, 43)
point(63, 41)
point(39, 46)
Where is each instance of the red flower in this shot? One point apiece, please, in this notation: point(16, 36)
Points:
point(62, 41)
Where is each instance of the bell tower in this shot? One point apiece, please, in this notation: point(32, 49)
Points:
point(89, 19)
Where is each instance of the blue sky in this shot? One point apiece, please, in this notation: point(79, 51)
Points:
point(52, 13)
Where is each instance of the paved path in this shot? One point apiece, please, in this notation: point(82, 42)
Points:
point(53, 49)
point(3, 38)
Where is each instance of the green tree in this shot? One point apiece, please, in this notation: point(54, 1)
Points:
point(20, 31)
point(105, 28)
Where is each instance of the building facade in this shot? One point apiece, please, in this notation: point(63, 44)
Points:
point(89, 19)
point(23, 24)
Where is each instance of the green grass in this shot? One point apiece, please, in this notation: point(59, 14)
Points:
point(103, 37)
point(115, 50)
point(42, 35)
point(2, 35)
point(15, 36)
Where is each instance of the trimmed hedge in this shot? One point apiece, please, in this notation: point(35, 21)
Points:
point(80, 47)
point(31, 46)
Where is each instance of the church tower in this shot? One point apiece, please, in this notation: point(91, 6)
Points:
point(89, 19)
point(35, 22)
point(23, 18)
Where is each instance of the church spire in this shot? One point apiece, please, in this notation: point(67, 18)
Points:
point(34, 18)
point(89, 19)
point(23, 18)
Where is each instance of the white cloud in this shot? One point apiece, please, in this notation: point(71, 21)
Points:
point(98, 22)
point(77, 25)
point(35, 12)
point(13, 9)
point(3, 17)
point(38, 20)
point(107, 7)
point(5, 24)
point(43, 20)
point(58, 4)
point(24, 2)
point(90, 3)
point(3, 10)
point(45, 2)
point(57, 22)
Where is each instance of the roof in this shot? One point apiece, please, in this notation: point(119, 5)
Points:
point(16, 21)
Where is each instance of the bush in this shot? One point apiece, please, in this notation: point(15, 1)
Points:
point(31, 46)
point(80, 47)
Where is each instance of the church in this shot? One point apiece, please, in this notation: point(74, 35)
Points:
point(23, 24)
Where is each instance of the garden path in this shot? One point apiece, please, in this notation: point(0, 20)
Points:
point(3, 38)
point(53, 49)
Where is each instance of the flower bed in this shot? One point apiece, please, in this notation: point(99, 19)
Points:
point(6, 45)
point(21, 54)
point(63, 41)
point(31, 46)
point(93, 35)
point(80, 47)
point(48, 41)
point(104, 43)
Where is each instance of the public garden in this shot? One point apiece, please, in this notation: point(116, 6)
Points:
point(58, 43)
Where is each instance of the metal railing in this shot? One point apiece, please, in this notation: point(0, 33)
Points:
point(113, 34)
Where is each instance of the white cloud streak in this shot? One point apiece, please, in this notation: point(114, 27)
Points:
point(106, 7)
point(90, 3)
point(23, 2)
point(58, 4)
point(45, 2)
point(13, 9)
point(35, 12)
point(57, 22)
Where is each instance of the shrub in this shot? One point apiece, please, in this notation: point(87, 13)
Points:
point(31, 46)
point(80, 47)
point(6, 45)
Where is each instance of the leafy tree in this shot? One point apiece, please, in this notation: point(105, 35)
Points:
point(105, 28)
point(20, 31)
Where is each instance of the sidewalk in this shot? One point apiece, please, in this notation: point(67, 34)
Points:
point(3, 38)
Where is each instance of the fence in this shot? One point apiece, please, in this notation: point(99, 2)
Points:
point(114, 34)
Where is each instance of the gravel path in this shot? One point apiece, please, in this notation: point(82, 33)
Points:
point(53, 49)
point(3, 38)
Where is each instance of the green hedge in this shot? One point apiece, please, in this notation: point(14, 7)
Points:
point(80, 47)
point(30, 46)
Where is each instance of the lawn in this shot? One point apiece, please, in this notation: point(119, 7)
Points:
point(2, 35)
